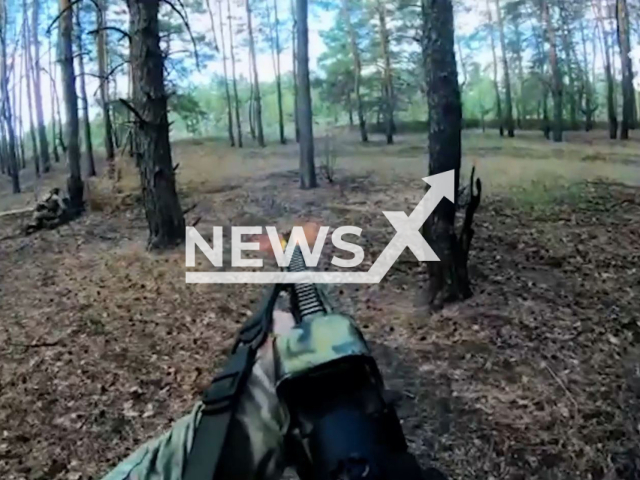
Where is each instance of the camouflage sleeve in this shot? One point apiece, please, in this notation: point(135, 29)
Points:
point(254, 449)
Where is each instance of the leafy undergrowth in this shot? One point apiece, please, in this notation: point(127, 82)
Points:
point(537, 376)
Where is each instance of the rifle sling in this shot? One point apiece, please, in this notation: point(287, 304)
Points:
point(221, 397)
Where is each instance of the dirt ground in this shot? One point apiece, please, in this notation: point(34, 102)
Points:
point(103, 345)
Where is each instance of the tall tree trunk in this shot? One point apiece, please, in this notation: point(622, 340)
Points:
point(232, 140)
point(274, 46)
point(357, 70)
point(496, 85)
point(233, 74)
point(589, 108)
point(628, 94)
point(350, 109)
point(52, 94)
point(294, 57)
point(37, 91)
point(12, 163)
point(305, 112)
point(388, 79)
point(567, 47)
point(29, 83)
point(283, 139)
point(448, 278)
point(75, 187)
point(86, 121)
point(101, 47)
point(152, 148)
point(19, 120)
point(556, 89)
point(56, 97)
point(522, 114)
point(606, 52)
point(252, 127)
point(256, 80)
point(505, 67)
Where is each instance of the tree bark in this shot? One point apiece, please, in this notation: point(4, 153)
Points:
point(357, 70)
point(12, 163)
point(283, 139)
point(86, 121)
point(19, 132)
point(152, 148)
point(387, 75)
point(256, 80)
point(556, 89)
point(589, 108)
point(56, 97)
point(606, 52)
point(448, 278)
point(567, 47)
point(232, 140)
point(233, 75)
point(505, 67)
point(252, 128)
point(274, 44)
point(305, 112)
point(75, 186)
point(101, 47)
point(522, 114)
point(628, 94)
point(52, 94)
point(29, 82)
point(294, 56)
point(28, 71)
point(496, 85)
point(37, 92)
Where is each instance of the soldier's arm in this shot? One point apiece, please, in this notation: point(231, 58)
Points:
point(254, 447)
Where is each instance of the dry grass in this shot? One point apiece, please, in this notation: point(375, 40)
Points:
point(207, 165)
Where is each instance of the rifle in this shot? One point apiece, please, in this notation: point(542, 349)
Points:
point(342, 427)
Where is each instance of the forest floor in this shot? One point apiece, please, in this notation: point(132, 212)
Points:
point(103, 345)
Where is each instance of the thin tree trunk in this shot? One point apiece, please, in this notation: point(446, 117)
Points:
point(589, 109)
point(37, 92)
point(448, 278)
point(86, 121)
point(152, 148)
point(505, 67)
point(101, 47)
point(350, 109)
point(606, 52)
point(294, 57)
point(566, 42)
point(15, 72)
point(496, 85)
point(305, 112)
point(233, 74)
point(52, 94)
point(58, 109)
point(29, 83)
point(75, 186)
point(20, 120)
point(252, 128)
point(555, 73)
point(256, 80)
point(12, 163)
point(522, 114)
point(232, 140)
point(388, 79)
point(283, 139)
point(357, 70)
point(628, 95)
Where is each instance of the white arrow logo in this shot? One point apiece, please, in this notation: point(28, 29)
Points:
point(407, 236)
